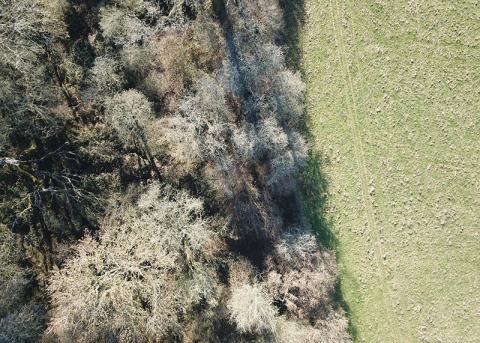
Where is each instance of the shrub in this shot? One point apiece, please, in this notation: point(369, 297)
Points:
point(261, 19)
point(105, 77)
point(176, 65)
point(332, 330)
point(301, 274)
point(26, 41)
point(207, 43)
point(129, 112)
point(4, 131)
point(272, 137)
point(13, 279)
point(286, 152)
point(186, 55)
point(241, 272)
point(141, 60)
point(251, 310)
point(285, 165)
point(23, 325)
point(209, 112)
point(203, 120)
point(282, 169)
point(245, 141)
point(287, 98)
point(122, 26)
point(184, 148)
point(179, 64)
point(147, 269)
point(260, 66)
point(23, 37)
point(21, 319)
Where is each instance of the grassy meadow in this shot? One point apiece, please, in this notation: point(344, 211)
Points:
point(393, 99)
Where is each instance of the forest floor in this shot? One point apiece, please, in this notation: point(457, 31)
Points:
point(393, 100)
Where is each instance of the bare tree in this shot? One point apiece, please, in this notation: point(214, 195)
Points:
point(251, 310)
point(129, 22)
point(147, 269)
point(130, 113)
point(204, 121)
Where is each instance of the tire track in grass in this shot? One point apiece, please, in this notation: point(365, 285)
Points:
point(359, 151)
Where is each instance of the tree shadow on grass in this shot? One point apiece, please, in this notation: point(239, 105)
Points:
point(315, 199)
point(314, 195)
point(314, 189)
point(313, 182)
point(293, 17)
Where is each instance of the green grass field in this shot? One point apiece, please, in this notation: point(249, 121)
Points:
point(393, 99)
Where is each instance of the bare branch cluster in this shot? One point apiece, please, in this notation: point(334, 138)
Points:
point(146, 270)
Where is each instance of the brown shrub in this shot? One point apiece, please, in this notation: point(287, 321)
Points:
point(186, 56)
point(331, 330)
point(241, 272)
point(301, 275)
point(262, 19)
point(251, 309)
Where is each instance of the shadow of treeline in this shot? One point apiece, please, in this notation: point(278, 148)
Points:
point(314, 194)
point(314, 189)
point(293, 17)
point(313, 182)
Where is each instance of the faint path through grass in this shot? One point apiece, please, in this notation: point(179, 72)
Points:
point(359, 155)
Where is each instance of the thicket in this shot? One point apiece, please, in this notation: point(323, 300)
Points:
point(149, 154)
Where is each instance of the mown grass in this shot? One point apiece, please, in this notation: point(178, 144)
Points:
point(394, 183)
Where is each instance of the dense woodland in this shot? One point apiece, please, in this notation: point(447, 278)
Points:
point(149, 152)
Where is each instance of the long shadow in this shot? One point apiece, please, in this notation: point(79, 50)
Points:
point(314, 187)
point(313, 182)
point(221, 11)
point(293, 17)
point(314, 192)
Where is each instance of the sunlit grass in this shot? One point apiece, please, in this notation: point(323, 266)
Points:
point(394, 113)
